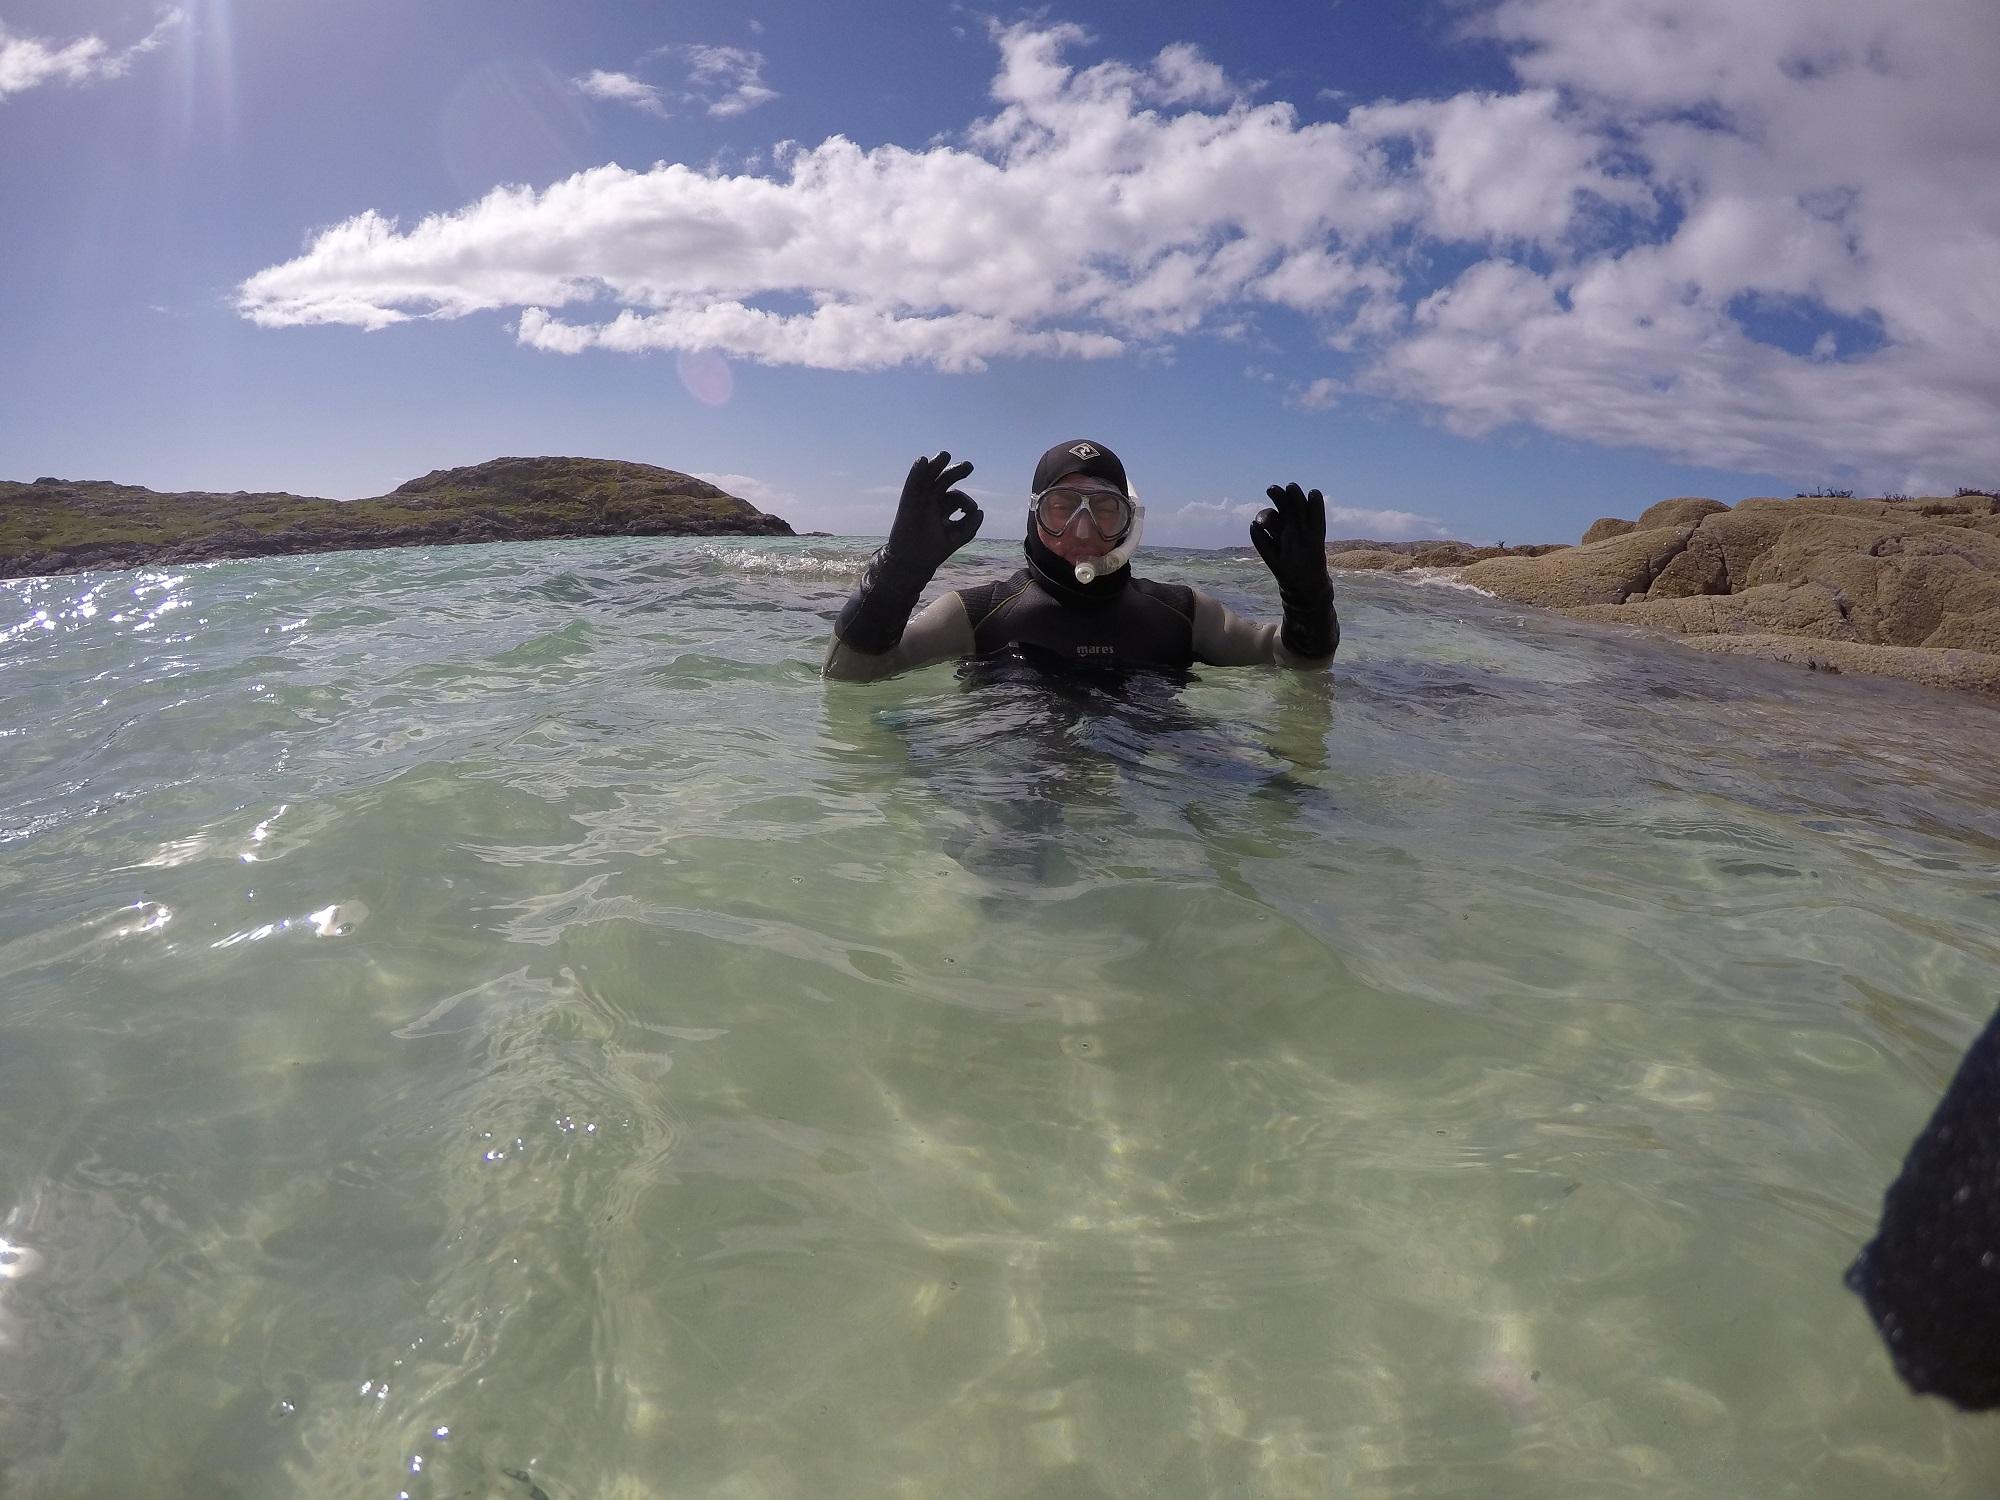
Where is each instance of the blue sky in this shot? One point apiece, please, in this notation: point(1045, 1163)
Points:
point(1480, 268)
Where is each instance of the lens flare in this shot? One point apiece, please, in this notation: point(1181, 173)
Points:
point(706, 376)
point(511, 120)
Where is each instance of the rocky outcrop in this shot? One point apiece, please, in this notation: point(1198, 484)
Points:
point(1905, 588)
point(1370, 560)
point(1685, 510)
point(65, 526)
point(1363, 556)
point(1606, 572)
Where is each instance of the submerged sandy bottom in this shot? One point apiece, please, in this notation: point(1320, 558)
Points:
point(490, 1020)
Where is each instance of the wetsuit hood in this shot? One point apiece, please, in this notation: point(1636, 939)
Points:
point(1080, 456)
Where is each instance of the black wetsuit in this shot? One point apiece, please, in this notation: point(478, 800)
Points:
point(1143, 624)
point(1115, 620)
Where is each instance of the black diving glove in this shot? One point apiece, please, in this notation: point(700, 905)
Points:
point(933, 520)
point(1928, 1274)
point(1292, 541)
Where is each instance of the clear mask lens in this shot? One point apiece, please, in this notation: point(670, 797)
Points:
point(1061, 509)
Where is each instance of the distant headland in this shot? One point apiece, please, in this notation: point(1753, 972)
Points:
point(66, 526)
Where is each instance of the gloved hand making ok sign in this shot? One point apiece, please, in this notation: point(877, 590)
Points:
point(1291, 538)
point(933, 520)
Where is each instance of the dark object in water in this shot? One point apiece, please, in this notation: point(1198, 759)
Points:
point(535, 1491)
point(1931, 1275)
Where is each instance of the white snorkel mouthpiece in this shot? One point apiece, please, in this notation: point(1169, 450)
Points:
point(1097, 567)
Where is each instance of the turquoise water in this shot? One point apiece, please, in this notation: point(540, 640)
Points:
point(492, 1022)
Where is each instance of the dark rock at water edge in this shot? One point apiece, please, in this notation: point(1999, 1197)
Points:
point(67, 526)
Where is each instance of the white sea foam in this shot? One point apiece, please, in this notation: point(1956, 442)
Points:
point(800, 561)
point(1442, 578)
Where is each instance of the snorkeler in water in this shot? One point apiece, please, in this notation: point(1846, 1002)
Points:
point(1077, 600)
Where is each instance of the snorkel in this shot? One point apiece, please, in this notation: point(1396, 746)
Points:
point(1091, 568)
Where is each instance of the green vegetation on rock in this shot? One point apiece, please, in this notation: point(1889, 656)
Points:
point(64, 526)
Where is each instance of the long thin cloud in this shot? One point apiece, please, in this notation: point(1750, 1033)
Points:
point(1643, 210)
point(1226, 519)
point(622, 88)
point(28, 62)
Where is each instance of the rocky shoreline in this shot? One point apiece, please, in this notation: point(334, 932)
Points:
point(1900, 587)
point(68, 526)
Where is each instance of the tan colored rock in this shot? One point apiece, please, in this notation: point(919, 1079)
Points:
point(1967, 630)
point(1817, 505)
point(1606, 526)
point(1699, 569)
point(1898, 575)
point(1970, 617)
point(1370, 559)
point(1965, 671)
point(1978, 548)
point(1942, 506)
point(1922, 507)
point(1445, 555)
point(1606, 572)
point(1913, 594)
point(1687, 510)
point(1907, 588)
point(1744, 536)
point(1787, 609)
point(1807, 539)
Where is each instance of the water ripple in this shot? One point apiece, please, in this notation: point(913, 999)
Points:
point(491, 1020)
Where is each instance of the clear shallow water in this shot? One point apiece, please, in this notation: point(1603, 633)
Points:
point(488, 1020)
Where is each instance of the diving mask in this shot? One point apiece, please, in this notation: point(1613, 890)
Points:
point(1115, 517)
point(1059, 508)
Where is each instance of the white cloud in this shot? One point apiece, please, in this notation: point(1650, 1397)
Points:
point(832, 337)
point(845, 258)
point(1202, 523)
point(1319, 395)
point(27, 62)
point(722, 81)
point(622, 88)
point(1671, 181)
point(760, 493)
point(1226, 522)
point(729, 80)
point(1499, 167)
point(1836, 154)
point(1381, 525)
point(1225, 509)
point(1182, 75)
